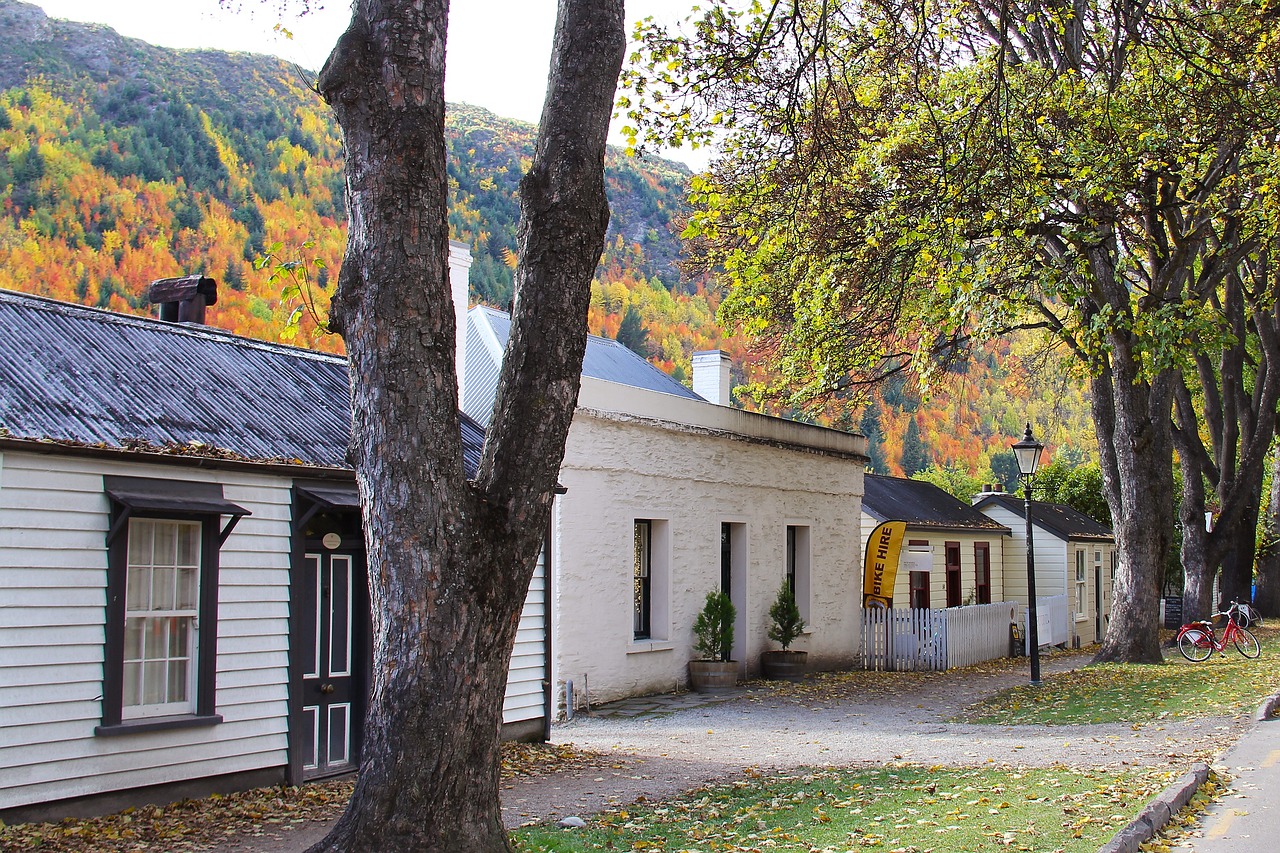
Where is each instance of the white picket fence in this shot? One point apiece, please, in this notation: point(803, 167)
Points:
point(934, 640)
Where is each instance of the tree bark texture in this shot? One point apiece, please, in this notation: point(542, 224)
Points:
point(450, 560)
point(1267, 597)
point(1132, 420)
point(1239, 391)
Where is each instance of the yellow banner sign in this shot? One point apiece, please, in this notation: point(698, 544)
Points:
point(880, 568)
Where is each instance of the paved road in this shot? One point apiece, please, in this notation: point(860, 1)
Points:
point(1247, 818)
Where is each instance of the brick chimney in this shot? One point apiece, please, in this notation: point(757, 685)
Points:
point(711, 376)
point(989, 489)
point(183, 300)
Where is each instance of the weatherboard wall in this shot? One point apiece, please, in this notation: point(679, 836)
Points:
point(936, 544)
point(53, 572)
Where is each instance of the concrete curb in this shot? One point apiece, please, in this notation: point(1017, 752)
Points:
point(1267, 708)
point(1157, 813)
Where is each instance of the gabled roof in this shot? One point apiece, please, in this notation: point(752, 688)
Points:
point(922, 506)
point(1060, 520)
point(83, 376)
point(486, 338)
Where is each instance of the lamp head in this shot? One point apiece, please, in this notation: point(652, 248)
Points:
point(1028, 453)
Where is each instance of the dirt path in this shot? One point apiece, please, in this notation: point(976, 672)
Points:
point(853, 719)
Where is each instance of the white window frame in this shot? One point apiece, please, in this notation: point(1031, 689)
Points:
point(659, 585)
point(1082, 587)
point(151, 605)
point(798, 544)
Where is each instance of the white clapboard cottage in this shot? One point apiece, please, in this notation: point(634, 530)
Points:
point(951, 553)
point(670, 495)
point(183, 597)
point(1075, 557)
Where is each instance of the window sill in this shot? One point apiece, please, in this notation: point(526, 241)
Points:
point(1082, 617)
point(157, 724)
point(640, 647)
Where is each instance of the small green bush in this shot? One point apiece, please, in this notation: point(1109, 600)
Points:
point(787, 624)
point(714, 627)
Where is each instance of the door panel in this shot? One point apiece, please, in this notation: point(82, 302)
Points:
point(328, 690)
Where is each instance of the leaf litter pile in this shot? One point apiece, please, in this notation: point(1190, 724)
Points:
point(193, 825)
point(902, 808)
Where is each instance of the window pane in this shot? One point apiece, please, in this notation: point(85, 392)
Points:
point(141, 533)
point(132, 683)
point(133, 639)
point(138, 595)
point(177, 681)
point(188, 590)
point(166, 548)
point(179, 635)
point(162, 589)
point(153, 682)
point(188, 545)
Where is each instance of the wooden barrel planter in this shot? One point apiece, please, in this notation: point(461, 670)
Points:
point(708, 676)
point(784, 665)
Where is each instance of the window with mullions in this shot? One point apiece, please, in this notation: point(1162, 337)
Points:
point(162, 598)
point(982, 571)
point(161, 613)
point(1082, 589)
point(642, 580)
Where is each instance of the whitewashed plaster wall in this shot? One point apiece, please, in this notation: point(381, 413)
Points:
point(691, 466)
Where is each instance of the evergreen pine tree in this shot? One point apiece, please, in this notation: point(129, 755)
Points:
point(915, 456)
point(632, 334)
point(871, 428)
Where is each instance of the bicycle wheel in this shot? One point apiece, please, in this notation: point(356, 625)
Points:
point(1195, 645)
point(1246, 644)
point(1244, 615)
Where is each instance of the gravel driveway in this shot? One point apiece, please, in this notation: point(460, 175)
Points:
point(847, 720)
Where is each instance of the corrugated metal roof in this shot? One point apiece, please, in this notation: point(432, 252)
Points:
point(921, 504)
point(604, 359)
point(1059, 519)
point(87, 376)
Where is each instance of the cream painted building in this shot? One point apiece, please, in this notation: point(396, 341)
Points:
point(669, 495)
point(951, 555)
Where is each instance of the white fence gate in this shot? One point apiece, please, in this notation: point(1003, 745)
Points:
point(934, 640)
point(1053, 618)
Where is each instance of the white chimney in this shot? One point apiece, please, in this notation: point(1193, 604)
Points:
point(711, 376)
point(459, 271)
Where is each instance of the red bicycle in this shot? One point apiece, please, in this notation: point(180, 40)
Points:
point(1197, 640)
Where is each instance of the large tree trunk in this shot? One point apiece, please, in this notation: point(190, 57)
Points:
point(1197, 573)
point(1132, 420)
point(1267, 599)
point(450, 561)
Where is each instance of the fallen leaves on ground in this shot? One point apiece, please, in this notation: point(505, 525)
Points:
point(1138, 693)
point(193, 825)
point(902, 807)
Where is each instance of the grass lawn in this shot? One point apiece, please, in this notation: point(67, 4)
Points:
point(1129, 693)
point(899, 808)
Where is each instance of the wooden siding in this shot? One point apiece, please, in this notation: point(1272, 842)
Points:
point(998, 542)
point(53, 569)
point(524, 697)
point(1051, 558)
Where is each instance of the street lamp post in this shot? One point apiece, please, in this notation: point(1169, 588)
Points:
point(1028, 452)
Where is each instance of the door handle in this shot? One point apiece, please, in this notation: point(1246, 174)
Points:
point(326, 689)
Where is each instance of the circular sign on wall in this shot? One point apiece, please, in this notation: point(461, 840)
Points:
point(331, 541)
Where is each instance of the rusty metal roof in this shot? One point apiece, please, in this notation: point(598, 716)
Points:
point(87, 376)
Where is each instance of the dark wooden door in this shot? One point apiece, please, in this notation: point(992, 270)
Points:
point(330, 638)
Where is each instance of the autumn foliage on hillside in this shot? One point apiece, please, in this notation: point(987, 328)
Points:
point(203, 162)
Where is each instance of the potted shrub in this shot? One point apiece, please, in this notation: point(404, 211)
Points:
point(787, 625)
point(714, 631)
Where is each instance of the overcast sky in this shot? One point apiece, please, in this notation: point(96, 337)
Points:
point(498, 50)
